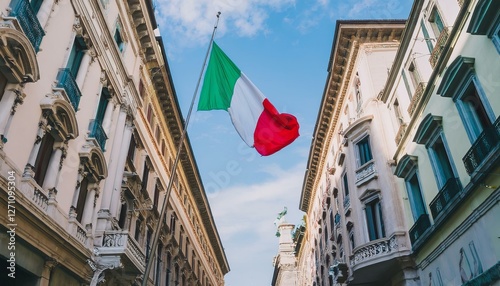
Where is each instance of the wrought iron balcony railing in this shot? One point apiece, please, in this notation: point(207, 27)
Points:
point(97, 132)
point(441, 41)
point(66, 81)
point(422, 224)
point(443, 199)
point(483, 146)
point(21, 9)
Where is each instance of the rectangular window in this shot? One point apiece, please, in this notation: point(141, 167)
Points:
point(415, 195)
point(345, 184)
point(76, 56)
point(156, 196)
point(351, 240)
point(407, 84)
point(427, 39)
point(364, 151)
point(436, 21)
point(145, 175)
point(103, 104)
point(118, 37)
point(440, 161)
point(43, 158)
point(374, 220)
point(82, 197)
point(131, 150)
point(138, 225)
point(172, 224)
point(474, 110)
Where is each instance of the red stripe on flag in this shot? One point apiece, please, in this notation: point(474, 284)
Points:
point(274, 130)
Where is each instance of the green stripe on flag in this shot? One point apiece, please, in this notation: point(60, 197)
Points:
point(218, 85)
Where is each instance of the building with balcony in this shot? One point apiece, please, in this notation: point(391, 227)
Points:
point(447, 152)
point(90, 127)
point(355, 232)
point(402, 184)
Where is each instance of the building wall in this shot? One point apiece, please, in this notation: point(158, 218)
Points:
point(94, 215)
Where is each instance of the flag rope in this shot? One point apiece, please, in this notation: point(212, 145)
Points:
point(157, 231)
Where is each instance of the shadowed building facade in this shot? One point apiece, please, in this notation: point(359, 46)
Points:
point(89, 128)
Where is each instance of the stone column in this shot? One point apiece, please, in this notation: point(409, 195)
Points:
point(113, 159)
point(28, 171)
point(47, 269)
point(108, 117)
point(82, 72)
point(115, 198)
point(11, 99)
point(88, 210)
point(52, 173)
point(44, 12)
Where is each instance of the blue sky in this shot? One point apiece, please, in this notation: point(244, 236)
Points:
point(283, 46)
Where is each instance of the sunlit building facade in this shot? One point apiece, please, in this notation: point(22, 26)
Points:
point(355, 233)
point(90, 127)
point(402, 184)
point(447, 157)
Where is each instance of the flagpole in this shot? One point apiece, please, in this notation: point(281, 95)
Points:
point(157, 231)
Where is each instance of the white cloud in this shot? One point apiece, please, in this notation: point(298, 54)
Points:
point(245, 220)
point(190, 22)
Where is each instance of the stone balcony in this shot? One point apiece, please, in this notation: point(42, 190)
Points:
point(377, 258)
point(415, 99)
point(366, 173)
point(121, 246)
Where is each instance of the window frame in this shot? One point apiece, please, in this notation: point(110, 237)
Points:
point(468, 116)
point(411, 192)
point(360, 156)
point(374, 205)
point(435, 163)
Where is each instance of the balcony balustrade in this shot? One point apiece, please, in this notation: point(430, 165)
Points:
point(415, 99)
point(418, 229)
point(66, 81)
point(120, 243)
point(487, 143)
point(347, 203)
point(401, 132)
point(377, 248)
point(97, 132)
point(366, 173)
point(448, 192)
point(440, 42)
point(22, 11)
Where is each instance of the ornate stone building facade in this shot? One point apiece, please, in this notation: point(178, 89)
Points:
point(448, 139)
point(402, 184)
point(89, 128)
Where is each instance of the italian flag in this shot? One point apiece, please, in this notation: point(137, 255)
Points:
point(256, 120)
